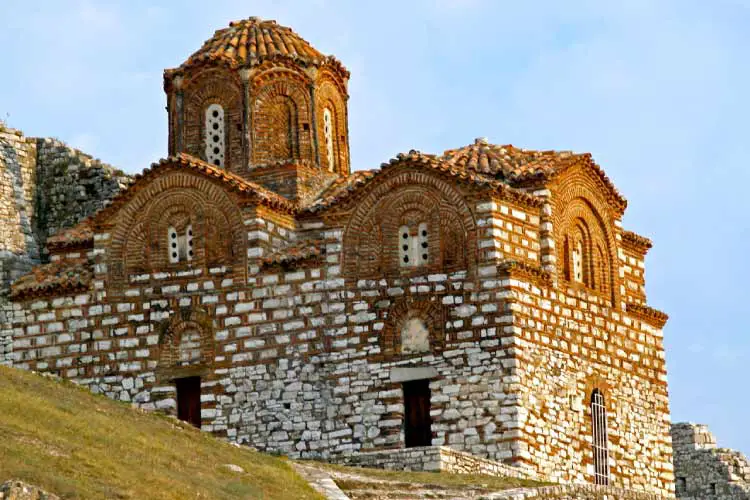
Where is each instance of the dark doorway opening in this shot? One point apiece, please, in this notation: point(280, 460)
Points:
point(417, 423)
point(189, 400)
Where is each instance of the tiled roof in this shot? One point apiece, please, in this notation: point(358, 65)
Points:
point(507, 163)
point(251, 41)
point(636, 240)
point(341, 188)
point(349, 186)
point(295, 253)
point(67, 276)
point(521, 167)
point(653, 317)
point(80, 235)
point(255, 192)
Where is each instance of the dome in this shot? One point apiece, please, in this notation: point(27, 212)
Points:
point(251, 41)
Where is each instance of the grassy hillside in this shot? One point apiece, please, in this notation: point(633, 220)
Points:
point(79, 445)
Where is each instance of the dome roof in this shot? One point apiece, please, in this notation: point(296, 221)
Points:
point(251, 41)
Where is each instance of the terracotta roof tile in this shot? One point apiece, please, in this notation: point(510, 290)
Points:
point(521, 167)
point(249, 42)
point(80, 235)
point(255, 192)
point(636, 240)
point(67, 276)
point(295, 253)
point(653, 317)
point(349, 186)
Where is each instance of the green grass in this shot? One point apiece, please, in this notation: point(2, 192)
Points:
point(75, 444)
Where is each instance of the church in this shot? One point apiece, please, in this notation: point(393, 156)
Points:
point(485, 299)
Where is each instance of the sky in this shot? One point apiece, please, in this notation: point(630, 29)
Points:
point(656, 90)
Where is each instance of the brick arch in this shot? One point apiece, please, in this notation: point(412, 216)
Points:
point(328, 95)
point(281, 125)
point(367, 249)
point(141, 224)
point(214, 86)
point(579, 215)
point(429, 311)
point(578, 196)
point(186, 341)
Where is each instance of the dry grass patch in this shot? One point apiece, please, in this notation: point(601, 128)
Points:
point(75, 444)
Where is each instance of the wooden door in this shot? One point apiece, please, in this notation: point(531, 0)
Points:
point(189, 400)
point(417, 423)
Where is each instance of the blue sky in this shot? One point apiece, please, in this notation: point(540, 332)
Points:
point(656, 90)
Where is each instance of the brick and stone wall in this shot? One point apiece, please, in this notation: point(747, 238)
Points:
point(45, 186)
point(703, 470)
point(305, 357)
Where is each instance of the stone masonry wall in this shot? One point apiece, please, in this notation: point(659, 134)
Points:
point(434, 458)
point(704, 471)
point(45, 186)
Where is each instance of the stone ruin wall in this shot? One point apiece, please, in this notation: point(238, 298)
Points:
point(45, 186)
point(705, 471)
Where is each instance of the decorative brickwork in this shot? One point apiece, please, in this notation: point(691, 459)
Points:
point(139, 238)
point(208, 87)
point(373, 236)
point(279, 96)
point(407, 321)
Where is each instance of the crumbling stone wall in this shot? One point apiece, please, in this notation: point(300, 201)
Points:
point(702, 470)
point(45, 186)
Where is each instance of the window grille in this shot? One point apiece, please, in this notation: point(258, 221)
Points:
point(214, 135)
point(413, 247)
point(600, 441)
point(180, 246)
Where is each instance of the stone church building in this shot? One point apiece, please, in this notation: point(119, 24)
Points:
point(485, 299)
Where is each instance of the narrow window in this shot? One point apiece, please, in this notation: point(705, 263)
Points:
point(600, 441)
point(413, 248)
point(423, 249)
point(328, 132)
point(214, 135)
point(189, 241)
point(172, 244)
point(180, 246)
point(578, 261)
point(404, 246)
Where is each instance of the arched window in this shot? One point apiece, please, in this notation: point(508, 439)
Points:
point(214, 135)
point(414, 245)
point(600, 440)
point(328, 133)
